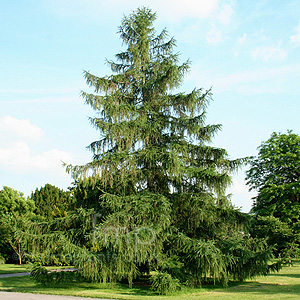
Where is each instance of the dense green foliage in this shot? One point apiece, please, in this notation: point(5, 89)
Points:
point(86, 193)
point(153, 197)
point(54, 278)
point(283, 239)
point(14, 202)
point(51, 202)
point(15, 209)
point(275, 175)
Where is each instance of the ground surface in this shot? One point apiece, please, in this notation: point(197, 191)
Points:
point(23, 296)
point(14, 275)
point(278, 286)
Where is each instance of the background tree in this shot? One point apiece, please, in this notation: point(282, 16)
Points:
point(51, 201)
point(15, 210)
point(282, 238)
point(86, 193)
point(275, 175)
point(161, 204)
point(12, 201)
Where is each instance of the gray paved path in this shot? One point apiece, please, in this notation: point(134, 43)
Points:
point(28, 273)
point(14, 275)
point(27, 296)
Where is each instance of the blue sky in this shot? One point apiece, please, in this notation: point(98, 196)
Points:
point(247, 51)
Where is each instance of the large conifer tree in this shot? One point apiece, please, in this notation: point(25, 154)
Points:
point(161, 204)
point(150, 138)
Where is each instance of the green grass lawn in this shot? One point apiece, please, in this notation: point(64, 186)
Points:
point(10, 268)
point(283, 285)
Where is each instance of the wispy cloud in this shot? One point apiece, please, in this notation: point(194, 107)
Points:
point(266, 76)
point(242, 39)
point(214, 36)
point(296, 37)
point(37, 91)
point(226, 13)
point(268, 53)
point(268, 80)
point(219, 23)
point(170, 9)
point(44, 100)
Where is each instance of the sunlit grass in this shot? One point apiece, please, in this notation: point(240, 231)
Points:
point(284, 285)
point(11, 268)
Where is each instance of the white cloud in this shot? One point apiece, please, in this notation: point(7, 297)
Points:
point(18, 157)
point(214, 36)
point(51, 159)
point(22, 129)
point(296, 37)
point(254, 76)
point(267, 53)
point(170, 9)
point(226, 13)
point(178, 9)
point(248, 82)
point(242, 39)
point(220, 18)
point(240, 44)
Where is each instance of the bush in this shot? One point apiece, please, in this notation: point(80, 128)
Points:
point(164, 284)
point(41, 275)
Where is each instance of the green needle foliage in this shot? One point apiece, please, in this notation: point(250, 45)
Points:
point(155, 186)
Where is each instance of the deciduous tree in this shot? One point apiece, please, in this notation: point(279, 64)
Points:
point(15, 210)
point(275, 175)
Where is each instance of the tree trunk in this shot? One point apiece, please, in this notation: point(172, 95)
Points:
point(19, 254)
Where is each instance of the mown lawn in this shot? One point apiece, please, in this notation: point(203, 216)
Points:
point(10, 268)
point(284, 285)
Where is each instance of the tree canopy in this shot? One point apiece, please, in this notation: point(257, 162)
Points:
point(15, 209)
point(14, 202)
point(51, 201)
point(275, 175)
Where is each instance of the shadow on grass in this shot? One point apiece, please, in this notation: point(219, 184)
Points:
point(265, 288)
point(25, 284)
point(287, 275)
point(10, 268)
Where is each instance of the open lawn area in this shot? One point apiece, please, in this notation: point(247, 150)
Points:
point(283, 285)
point(11, 268)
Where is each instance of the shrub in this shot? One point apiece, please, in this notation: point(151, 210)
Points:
point(164, 284)
point(41, 275)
